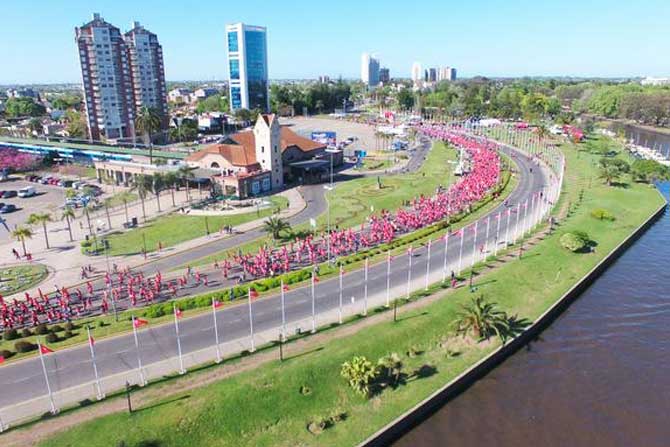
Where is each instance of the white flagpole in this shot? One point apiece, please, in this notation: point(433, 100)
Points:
point(251, 322)
point(100, 395)
point(427, 266)
point(176, 331)
point(313, 305)
point(486, 240)
point(341, 274)
point(474, 246)
point(388, 279)
point(409, 271)
point(460, 251)
point(446, 249)
point(525, 219)
point(495, 245)
point(216, 332)
point(283, 311)
point(516, 226)
point(54, 410)
point(137, 351)
point(365, 290)
point(509, 213)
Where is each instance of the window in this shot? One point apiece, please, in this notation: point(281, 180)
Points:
point(232, 42)
point(262, 149)
point(234, 69)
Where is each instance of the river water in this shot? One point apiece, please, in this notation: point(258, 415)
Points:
point(644, 137)
point(598, 376)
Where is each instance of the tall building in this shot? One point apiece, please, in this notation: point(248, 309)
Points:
point(417, 73)
point(107, 83)
point(384, 75)
point(369, 70)
point(247, 67)
point(147, 73)
point(431, 75)
point(120, 74)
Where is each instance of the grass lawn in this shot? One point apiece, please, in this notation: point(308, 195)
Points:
point(280, 410)
point(17, 278)
point(351, 201)
point(176, 228)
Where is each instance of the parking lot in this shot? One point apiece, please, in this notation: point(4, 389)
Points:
point(48, 199)
point(344, 129)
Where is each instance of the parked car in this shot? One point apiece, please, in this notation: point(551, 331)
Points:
point(9, 194)
point(65, 183)
point(54, 181)
point(8, 208)
point(78, 185)
point(34, 178)
point(28, 191)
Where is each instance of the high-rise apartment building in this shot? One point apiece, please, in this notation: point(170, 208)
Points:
point(120, 74)
point(247, 67)
point(431, 75)
point(446, 74)
point(417, 73)
point(147, 73)
point(384, 75)
point(369, 70)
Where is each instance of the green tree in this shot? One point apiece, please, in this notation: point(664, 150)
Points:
point(20, 107)
point(215, 103)
point(170, 179)
point(41, 219)
point(22, 233)
point(483, 319)
point(125, 197)
point(360, 373)
point(75, 124)
point(157, 186)
point(68, 216)
point(185, 173)
point(143, 185)
point(275, 225)
point(391, 367)
point(35, 125)
point(148, 122)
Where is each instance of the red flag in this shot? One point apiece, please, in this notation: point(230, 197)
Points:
point(177, 312)
point(139, 322)
point(2, 359)
point(91, 340)
point(253, 293)
point(286, 288)
point(217, 304)
point(316, 279)
point(45, 350)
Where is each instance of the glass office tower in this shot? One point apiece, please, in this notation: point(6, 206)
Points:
point(247, 67)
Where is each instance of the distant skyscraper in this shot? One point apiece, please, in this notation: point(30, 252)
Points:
point(145, 57)
point(247, 67)
point(384, 75)
point(369, 70)
point(417, 73)
point(431, 75)
point(120, 73)
point(452, 74)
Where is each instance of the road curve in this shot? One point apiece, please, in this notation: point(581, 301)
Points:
point(23, 385)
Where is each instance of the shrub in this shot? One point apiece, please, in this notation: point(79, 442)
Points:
point(572, 242)
point(68, 334)
point(602, 214)
point(24, 346)
point(41, 329)
point(69, 326)
point(56, 328)
point(360, 373)
point(10, 334)
point(5, 354)
point(26, 333)
point(51, 338)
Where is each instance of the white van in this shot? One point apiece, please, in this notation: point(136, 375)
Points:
point(28, 191)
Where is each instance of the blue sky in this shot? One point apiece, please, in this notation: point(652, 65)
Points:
point(309, 38)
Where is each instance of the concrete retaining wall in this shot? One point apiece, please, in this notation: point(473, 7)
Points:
point(435, 401)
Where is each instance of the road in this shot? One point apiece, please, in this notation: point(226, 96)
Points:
point(23, 381)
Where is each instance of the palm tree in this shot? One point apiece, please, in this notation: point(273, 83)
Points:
point(21, 234)
point(170, 180)
point(68, 216)
point(185, 173)
point(125, 197)
point(157, 185)
point(107, 203)
point(609, 173)
point(41, 218)
point(360, 373)
point(142, 185)
point(147, 122)
point(483, 319)
point(275, 225)
point(542, 131)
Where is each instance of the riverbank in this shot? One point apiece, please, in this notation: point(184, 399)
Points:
point(290, 395)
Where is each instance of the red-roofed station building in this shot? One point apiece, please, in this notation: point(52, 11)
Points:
point(263, 159)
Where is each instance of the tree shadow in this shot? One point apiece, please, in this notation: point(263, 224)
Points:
point(162, 403)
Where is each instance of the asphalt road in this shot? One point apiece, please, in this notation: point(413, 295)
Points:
point(24, 380)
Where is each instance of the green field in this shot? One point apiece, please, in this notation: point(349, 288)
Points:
point(17, 278)
point(176, 228)
point(351, 201)
point(280, 410)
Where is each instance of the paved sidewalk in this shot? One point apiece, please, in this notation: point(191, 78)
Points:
point(65, 259)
